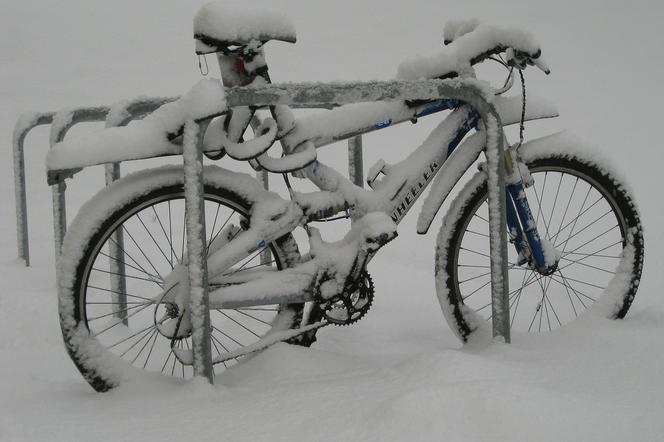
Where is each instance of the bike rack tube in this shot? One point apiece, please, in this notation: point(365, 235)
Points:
point(297, 96)
point(25, 124)
point(199, 302)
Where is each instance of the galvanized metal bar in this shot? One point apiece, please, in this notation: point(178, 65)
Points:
point(322, 95)
point(25, 124)
point(199, 303)
point(62, 122)
point(355, 161)
point(58, 191)
point(263, 177)
point(498, 236)
point(116, 263)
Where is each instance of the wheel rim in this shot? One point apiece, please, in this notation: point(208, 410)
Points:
point(154, 242)
point(582, 221)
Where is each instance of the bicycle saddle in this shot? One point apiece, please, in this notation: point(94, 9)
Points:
point(219, 27)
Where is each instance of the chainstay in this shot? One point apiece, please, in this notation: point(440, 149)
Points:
point(269, 341)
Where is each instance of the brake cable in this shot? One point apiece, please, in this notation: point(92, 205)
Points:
point(523, 107)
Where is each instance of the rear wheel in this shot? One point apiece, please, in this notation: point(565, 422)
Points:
point(124, 318)
point(591, 221)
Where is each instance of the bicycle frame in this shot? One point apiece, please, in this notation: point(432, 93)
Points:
point(410, 177)
point(394, 195)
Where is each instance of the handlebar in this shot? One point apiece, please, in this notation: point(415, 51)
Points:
point(468, 43)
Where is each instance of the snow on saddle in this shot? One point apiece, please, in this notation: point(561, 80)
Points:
point(218, 27)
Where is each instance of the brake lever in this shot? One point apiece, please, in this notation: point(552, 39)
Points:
point(520, 60)
point(541, 65)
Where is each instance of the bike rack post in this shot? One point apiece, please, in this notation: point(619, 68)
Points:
point(116, 263)
point(263, 177)
point(62, 122)
point(199, 303)
point(500, 308)
point(118, 280)
point(355, 162)
point(25, 124)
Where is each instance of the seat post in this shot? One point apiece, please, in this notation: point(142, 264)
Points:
point(240, 67)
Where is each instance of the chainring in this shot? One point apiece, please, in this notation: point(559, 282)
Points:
point(349, 306)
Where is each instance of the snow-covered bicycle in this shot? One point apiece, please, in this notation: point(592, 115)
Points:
point(576, 241)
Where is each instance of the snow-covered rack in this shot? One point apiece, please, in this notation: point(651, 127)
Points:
point(307, 95)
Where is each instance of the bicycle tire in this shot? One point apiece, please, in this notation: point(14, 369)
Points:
point(101, 357)
point(465, 315)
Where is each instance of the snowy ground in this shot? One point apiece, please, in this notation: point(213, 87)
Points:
point(399, 374)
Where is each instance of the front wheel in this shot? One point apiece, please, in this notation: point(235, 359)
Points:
point(583, 211)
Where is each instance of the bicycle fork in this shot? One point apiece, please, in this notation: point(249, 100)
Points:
point(522, 227)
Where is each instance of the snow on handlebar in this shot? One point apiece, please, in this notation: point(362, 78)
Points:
point(467, 43)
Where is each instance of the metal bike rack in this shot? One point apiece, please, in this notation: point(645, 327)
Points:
point(296, 96)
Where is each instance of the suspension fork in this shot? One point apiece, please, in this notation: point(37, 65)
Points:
point(522, 227)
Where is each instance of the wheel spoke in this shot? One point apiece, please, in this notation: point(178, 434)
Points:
point(118, 311)
point(145, 335)
point(120, 293)
point(555, 200)
point(120, 321)
point(252, 317)
point(154, 240)
point(142, 252)
point(575, 215)
point(157, 277)
point(590, 224)
point(238, 323)
point(168, 239)
point(569, 201)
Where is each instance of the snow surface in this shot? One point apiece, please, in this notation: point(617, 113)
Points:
point(400, 373)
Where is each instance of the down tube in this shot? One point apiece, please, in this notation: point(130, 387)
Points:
point(415, 184)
